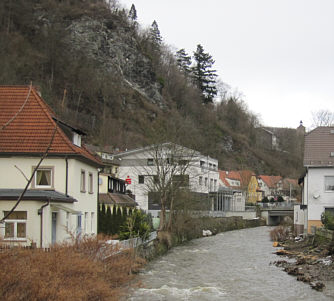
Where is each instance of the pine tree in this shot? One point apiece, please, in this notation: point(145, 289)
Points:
point(183, 61)
point(155, 35)
point(204, 76)
point(133, 13)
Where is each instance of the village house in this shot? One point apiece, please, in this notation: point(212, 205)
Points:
point(232, 180)
point(113, 191)
point(141, 166)
point(62, 198)
point(318, 182)
point(270, 185)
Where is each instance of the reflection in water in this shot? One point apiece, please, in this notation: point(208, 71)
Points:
point(229, 266)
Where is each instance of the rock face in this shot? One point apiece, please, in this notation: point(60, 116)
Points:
point(114, 47)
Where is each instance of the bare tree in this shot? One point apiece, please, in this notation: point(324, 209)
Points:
point(322, 118)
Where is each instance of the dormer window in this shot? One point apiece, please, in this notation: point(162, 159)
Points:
point(76, 139)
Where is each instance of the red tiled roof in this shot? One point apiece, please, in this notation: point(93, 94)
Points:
point(33, 125)
point(270, 181)
point(222, 176)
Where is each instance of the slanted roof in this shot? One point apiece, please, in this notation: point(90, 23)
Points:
point(319, 147)
point(222, 176)
point(27, 125)
point(118, 199)
point(270, 181)
point(36, 195)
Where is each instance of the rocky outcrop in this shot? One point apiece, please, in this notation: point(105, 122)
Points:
point(114, 47)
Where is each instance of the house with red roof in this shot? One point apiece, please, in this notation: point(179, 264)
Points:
point(62, 197)
point(270, 185)
point(232, 180)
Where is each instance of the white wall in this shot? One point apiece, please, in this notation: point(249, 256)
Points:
point(133, 164)
point(12, 178)
point(315, 195)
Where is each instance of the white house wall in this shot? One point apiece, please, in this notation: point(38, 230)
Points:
point(315, 195)
point(135, 164)
point(12, 178)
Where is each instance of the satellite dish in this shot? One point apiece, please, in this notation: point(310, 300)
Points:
point(316, 195)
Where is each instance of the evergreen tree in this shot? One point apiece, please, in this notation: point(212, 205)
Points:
point(183, 61)
point(133, 14)
point(114, 224)
point(101, 226)
point(108, 222)
point(204, 76)
point(155, 35)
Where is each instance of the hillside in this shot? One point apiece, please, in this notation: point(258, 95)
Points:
point(100, 72)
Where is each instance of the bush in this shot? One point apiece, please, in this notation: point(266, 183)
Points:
point(280, 199)
point(327, 220)
point(265, 200)
point(67, 272)
point(138, 224)
point(280, 233)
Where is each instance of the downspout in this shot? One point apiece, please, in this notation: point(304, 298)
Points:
point(306, 215)
point(66, 177)
point(40, 212)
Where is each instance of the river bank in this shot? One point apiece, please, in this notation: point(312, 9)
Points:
point(189, 228)
point(312, 263)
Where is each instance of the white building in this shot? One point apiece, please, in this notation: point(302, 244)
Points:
point(318, 182)
point(62, 197)
point(199, 173)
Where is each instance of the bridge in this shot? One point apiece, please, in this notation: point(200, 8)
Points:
point(275, 215)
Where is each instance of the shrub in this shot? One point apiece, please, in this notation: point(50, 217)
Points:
point(138, 224)
point(265, 200)
point(327, 220)
point(280, 199)
point(280, 233)
point(66, 272)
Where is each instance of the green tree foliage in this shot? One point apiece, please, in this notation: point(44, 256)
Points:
point(155, 35)
point(183, 61)
point(203, 74)
point(133, 13)
point(136, 225)
point(327, 219)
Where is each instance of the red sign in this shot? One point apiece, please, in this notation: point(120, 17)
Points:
point(128, 180)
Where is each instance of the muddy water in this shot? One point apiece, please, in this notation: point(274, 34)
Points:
point(229, 266)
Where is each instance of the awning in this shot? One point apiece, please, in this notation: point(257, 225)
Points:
point(57, 207)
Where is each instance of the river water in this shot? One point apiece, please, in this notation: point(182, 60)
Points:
point(232, 266)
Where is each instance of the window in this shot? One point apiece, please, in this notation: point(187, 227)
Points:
point(329, 183)
point(79, 225)
point(141, 179)
point(92, 221)
point(83, 181)
point(86, 222)
point(200, 181)
point(211, 184)
point(215, 185)
point(43, 178)
point(181, 180)
point(150, 162)
point(90, 183)
point(206, 182)
point(15, 225)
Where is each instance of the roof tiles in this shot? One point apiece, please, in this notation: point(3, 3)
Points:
point(27, 125)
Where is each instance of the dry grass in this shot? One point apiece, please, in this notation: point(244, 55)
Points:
point(280, 233)
point(79, 271)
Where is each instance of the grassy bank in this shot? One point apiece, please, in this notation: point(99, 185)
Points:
point(79, 271)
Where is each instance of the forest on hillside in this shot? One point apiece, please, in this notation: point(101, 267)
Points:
point(100, 71)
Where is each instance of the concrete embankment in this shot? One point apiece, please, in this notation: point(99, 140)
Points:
point(188, 228)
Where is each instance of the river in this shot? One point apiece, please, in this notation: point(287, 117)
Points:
point(232, 266)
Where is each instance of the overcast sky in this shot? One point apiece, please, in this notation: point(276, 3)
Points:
point(278, 53)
